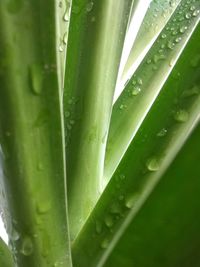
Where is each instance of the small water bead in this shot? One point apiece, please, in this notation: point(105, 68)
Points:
point(98, 227)
point(122, 107)
point(60, 4)
point(196, 13)
point(43, 207)
point(170, 45)
point(61, 48)
point(131, 200)
point(153, 164)
point(139, 81)
point(162, 132)
point(163, 36)
point(105, 243)
point(195, 90)
point(183, 29)
point(14, 235)
point(181, 115)
point(89, 6)
point(109, 221)
point(27, 246)
point(67, 114)
point(136, 90)
point(134, 82)
point(148, 61)
point(178, 39)
point(192, 8)
point(188, 15)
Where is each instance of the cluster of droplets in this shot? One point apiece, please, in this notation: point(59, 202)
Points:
point(173, 33)
point(66, 17)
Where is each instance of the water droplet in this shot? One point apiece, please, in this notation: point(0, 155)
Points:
point(61, 49)
point(67, 114)
point(40, 167)
point(178, 39)
point(109, 221)
point(181, 115)
point(134, 82)
point(136, 90)
point(66, 15)
point(195, 13)
point(60, 4)
point(65, 37)
point(14, 235)
point(139, 81)
point(115, 208)
point(153, 164)
point(191, 92)
point(105, 243)
point(131, 200)
point(89, 6)
point(98, 227)
point(163, 36)
point(36, 78)
point(192, 8)
point(188, 15)
point(27, 246)
point(43, 207)
point(183, 29)
point(162, 132)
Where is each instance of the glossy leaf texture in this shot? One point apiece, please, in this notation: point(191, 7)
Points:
point(32, 134)
point(160, 137)
point(167, 226)
point(141, 91)
point(93, 58)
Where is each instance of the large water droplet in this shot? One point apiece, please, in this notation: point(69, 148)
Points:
point(36, 78)
point(27, 246)
point(153, 164)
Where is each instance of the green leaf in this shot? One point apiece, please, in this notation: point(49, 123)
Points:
point(32, 134)
point(93, 58)
point(166, 230)
point(140, 93)
point(161, 136)
point(6, 259)
point(154, 21)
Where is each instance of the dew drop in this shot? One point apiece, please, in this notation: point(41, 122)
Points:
point(188, 15)
point(109, 221)
point(183, 29)
point(162, 132)
point(195, 13)
point(36, 78)
point(105, 243)
point(27, 246)
point(65, 37)
point(136, 90)
point(153, 164)
point(181, 115)
point(98, 227)
point(89, 6)
point(43, 207)
point(131, 200)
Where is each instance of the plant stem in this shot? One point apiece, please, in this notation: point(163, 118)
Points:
point(95, 44)
point(32, 134)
